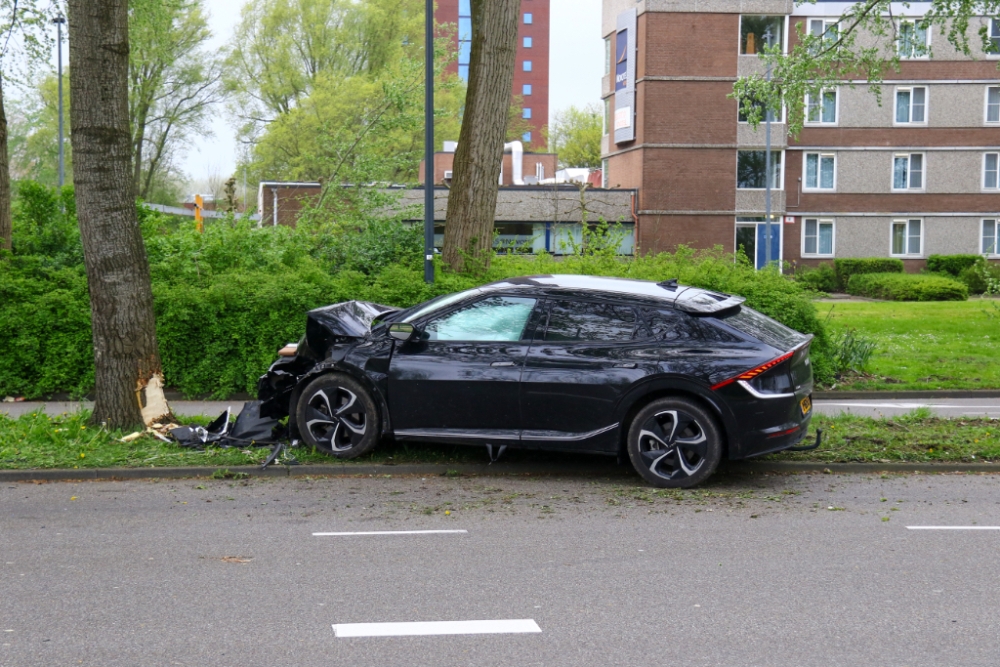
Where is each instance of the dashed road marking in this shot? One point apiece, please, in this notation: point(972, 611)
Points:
point(523, 625)
point(391, 532)
point(953, 527)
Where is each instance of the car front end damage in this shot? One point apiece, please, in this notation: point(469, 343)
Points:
point(331, 333)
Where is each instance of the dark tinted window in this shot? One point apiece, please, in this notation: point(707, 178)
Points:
point(669, 325)
point(583, 321)
point(763, 328)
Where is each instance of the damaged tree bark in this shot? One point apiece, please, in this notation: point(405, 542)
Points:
point(126, 355)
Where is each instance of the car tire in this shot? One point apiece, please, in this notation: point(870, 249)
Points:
point(674, 443)
point(337, 415)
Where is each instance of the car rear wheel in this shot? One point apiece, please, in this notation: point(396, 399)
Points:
point(337, 415)
point(674, 443)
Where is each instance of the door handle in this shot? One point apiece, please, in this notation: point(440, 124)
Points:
point(502, 364)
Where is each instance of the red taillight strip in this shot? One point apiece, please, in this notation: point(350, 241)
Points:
point(754, 372)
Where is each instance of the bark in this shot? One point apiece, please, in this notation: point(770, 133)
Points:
point(126, 356)
point(6, 230)
point(472, 202)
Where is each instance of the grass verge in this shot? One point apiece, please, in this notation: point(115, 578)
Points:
point(938, 345)
point(39, 441)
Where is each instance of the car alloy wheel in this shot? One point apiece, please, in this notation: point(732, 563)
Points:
point(336, 414)
point(674, 443)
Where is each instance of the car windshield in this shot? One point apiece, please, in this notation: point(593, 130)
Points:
point(439, 303)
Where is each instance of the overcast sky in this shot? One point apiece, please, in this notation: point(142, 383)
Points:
point(577, 60)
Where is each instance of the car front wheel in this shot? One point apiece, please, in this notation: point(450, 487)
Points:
point(674, 443)
point(337, 415)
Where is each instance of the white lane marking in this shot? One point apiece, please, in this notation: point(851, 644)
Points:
point(435, 628)
point(906, 406)
point(391, 532)
point(953, 527)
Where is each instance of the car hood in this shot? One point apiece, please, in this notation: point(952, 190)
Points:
point(350, 319)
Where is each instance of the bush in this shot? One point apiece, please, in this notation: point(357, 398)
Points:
point(845, 268)
point(981, 278)
point(821, 279)
point(907, 287)
point(953, 265)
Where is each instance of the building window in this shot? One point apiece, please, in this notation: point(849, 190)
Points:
point(913, 39)
point(991, 237)
point(911, 105)
point(604, 174)
point(607, 114)
point(991, 170)
point(817, 237)
point(756, 32)
point(994, 38)
point(769, 115)
point(822, 108)
point(751, 170)
point(526, 65)
point(821, 170)
point(607, 56)
point(993, 104)
point(528, 18)
point(540, 171)
point(526, 137)
point(908, 171)
point(526, 112)
point(907, 237)
point(825, 32)
point(527, 42)
point(464, 38)
point(526, 89)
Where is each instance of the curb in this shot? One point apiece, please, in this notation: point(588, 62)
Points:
point(891, 395)
point(485, 470)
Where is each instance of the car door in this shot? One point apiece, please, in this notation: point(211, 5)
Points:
point(579, 364)
point(459, 380)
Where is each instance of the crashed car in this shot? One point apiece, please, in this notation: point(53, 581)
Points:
point(674, 377)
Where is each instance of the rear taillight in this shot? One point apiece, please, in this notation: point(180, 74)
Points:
point(755, 371)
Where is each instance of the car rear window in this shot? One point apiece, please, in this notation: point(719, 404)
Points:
point(763, 328)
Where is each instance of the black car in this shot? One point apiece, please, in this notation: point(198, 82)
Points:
point(678, 377)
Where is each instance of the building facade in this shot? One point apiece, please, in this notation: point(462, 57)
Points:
point(915, 176)
point(531, 70)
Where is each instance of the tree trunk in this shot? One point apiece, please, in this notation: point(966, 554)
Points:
point(472, 201)
point(126, 356)
point(6, 230)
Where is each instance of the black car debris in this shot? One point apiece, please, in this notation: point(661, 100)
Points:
point(675, 377)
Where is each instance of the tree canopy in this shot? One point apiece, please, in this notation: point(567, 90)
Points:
point(576, 136)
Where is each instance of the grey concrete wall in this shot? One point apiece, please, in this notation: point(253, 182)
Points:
point(748, 137)
point(752, 201)
point(538, 204)
point(951, 236)
point(871, 237)
point(948, 105)
point(940, 48)
point(610, 11)
point(945, 172)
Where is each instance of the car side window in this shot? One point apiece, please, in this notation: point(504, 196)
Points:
point(587, 321)
point(670, 325)
point(493, 318)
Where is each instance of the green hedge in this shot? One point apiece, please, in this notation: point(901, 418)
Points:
point(907, 287)
point(845, 268)
point(821, 279)
point(953, 265)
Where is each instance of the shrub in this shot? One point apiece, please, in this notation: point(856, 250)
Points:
point(907, 287)
point(821, 279)
point(981, 278)
point(845, 268)
point(852, 351)
point(953, 265)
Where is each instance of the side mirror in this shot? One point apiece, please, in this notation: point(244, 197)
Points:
point(403, 331)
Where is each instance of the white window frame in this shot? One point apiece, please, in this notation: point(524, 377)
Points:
point(780, 166)
point(986, 106)
point(607, 56)
point(909, 172)
point(833, 237)
point(927, 42)
point(780, 119)
point(986, 185)
point(819, 167)
point(996, 237)
point(836, 109)
point(607, 116)
point(784, 43)
point(994, 23)
point(826, 24)
point(895, 105)
point(906, 238)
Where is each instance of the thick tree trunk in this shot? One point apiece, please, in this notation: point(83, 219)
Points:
point(472, 201)
point(6, 230)
point(126, 356)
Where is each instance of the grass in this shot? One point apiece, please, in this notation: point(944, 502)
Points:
point(37, 441)
point(936, 345)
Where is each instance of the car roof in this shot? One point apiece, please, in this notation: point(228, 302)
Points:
point(683, 297)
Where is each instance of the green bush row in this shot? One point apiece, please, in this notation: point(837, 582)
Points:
point(907, 287)
point(953, 265)
point(845, 268)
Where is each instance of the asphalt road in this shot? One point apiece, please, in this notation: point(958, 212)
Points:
point(946, 407)
point(798, 570)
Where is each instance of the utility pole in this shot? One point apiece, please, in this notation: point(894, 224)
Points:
point(429, 143)
point(767, 161)
point(59, 21)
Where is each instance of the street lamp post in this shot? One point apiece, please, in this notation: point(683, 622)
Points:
point(59, 21)
point(768, 170)
point(429, 143)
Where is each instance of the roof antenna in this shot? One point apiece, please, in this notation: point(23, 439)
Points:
point(670, 285)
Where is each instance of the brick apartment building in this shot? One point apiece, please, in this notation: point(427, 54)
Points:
point(531, 73)
point(913, 177)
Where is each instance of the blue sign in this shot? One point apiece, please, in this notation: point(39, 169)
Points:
point(621, 60)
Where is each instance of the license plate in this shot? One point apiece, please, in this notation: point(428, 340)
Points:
point(806, 405)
